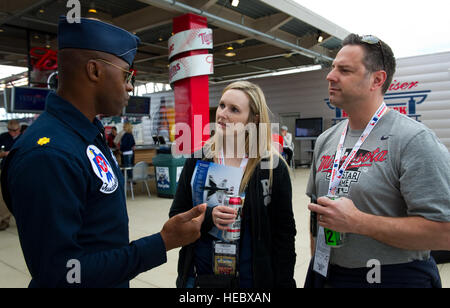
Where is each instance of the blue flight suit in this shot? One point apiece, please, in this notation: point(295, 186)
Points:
point(66, 192)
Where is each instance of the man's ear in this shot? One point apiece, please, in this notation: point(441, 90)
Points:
point(379, 78)
point(93, 70)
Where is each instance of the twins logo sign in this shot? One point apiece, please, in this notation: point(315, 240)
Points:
point(102, 169)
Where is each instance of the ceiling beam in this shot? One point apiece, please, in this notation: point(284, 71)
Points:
point(272, 22)
point(144, 19)
point(236, 22)
point(252, 52)
point(201, 4)
point(224, 37)
point(301, 13)
point(15, 5)
point(20, 8)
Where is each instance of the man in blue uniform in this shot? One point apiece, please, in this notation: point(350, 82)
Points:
point(63, 184)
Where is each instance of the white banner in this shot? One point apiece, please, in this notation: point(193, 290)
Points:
point(190, 40)
point(191, 66)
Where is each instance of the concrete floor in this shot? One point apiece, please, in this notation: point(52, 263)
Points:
point(147, 216)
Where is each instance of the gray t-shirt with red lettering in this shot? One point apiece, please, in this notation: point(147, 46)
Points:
point(402, 169)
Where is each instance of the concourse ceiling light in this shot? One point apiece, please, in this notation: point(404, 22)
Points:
point(320, 38)
point(230, 47)
point(92, 8)
point(230, 54)
point(47, 42)
point(235, 3)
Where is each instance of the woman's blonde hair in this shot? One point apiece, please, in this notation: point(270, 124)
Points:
point(128, 127)
point(259, 115)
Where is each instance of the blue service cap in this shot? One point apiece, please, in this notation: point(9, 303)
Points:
point(97, 35)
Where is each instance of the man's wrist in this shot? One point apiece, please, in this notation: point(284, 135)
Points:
point(165, 240)
point(362, 224)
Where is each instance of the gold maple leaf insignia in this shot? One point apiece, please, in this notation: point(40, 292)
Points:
point(43, 140)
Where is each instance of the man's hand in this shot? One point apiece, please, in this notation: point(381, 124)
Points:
point(184, 228)
point(340, 215)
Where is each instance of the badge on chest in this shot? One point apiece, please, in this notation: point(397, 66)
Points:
point(102, 169)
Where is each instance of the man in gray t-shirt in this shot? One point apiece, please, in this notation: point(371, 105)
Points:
point(394, 203)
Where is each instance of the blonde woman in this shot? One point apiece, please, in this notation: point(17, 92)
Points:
point(127, 146)
point(266, 254)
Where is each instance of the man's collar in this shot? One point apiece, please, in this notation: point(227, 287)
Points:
point(71, 116)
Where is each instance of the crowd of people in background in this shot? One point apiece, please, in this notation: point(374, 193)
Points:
point(7, 140)
point(125, 144)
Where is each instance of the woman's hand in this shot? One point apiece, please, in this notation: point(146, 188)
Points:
point(223, 216)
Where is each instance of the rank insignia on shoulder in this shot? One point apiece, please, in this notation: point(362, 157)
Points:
point(43, 140)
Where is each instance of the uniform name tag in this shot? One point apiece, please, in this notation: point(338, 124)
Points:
point(102, 169)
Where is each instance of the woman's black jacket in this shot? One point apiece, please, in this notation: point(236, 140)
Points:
point(272, 225)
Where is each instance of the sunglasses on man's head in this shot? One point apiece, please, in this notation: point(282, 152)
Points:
point(373, 40)
point(129, 74)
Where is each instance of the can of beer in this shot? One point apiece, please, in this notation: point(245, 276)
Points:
point(233, 231)
point(333, 238)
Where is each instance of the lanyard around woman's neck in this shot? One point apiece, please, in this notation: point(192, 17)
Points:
point(337, 173)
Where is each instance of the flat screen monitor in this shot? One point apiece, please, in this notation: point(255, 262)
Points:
point(137, 106)
point(28, 100)
point(158, 139)
point(308, 128)
point(7, 99)
point(161, 140)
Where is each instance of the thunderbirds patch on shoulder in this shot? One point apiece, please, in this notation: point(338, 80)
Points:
point(102, 168)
